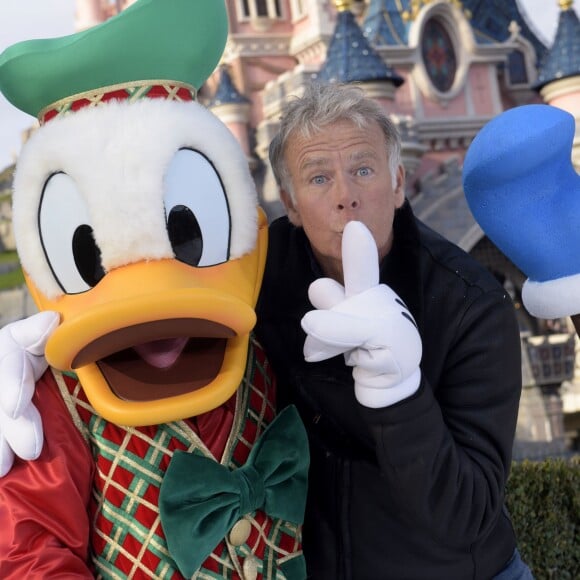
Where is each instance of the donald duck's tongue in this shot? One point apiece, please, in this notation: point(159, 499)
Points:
point(163, 353)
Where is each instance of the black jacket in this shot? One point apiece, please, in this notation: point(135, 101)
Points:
point(415, 490)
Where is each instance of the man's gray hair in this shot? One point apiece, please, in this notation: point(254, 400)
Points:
point(322, 105)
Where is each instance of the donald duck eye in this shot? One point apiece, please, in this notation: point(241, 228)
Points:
point(67, 237)
point(198, 218)
point(87, 255)
point(185, 235)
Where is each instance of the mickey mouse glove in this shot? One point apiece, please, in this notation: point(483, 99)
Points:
point(523, 191)
point(366, 322)
point(22, 363)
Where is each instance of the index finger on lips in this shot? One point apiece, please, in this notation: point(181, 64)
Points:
point(360, 259)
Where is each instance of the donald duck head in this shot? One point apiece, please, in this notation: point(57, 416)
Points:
point(134, 211)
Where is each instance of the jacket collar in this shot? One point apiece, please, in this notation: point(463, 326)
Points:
point(400, 268)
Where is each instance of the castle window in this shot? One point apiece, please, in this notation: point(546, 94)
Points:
point(517, 68)
point(438, 55)
point(251, 9)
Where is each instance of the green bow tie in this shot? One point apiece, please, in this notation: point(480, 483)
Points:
point(201, 500)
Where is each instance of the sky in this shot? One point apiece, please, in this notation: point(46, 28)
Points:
point(26, 19)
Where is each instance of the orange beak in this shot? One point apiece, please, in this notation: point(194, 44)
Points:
point(159, 341)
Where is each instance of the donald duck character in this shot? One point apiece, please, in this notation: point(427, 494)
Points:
point(137, 222)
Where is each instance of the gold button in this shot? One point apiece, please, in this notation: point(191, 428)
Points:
point(240, 532)
point(250, 568)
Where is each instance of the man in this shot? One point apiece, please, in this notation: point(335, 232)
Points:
point(408, 468)
point(411, 439)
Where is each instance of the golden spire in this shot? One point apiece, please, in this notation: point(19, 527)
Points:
point(343, 5)
point(565, 4)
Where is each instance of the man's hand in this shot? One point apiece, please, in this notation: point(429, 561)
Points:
point(367, 322)
point(22, 363)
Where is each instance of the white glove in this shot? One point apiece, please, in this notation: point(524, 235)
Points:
point(22, 363)
point(367, 322)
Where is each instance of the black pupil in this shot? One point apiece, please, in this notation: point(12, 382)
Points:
point(87, 255)
point(185, 235)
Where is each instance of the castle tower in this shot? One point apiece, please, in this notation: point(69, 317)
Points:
point(233, 109)
point(559, 77)
point(350, 58)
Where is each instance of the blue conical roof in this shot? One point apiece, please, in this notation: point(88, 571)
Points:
point(351, 58)
point(226, 92)
point(563, 59)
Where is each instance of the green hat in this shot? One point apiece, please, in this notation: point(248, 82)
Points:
point(153, 42)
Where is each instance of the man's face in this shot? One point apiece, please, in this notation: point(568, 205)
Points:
point(339, 175)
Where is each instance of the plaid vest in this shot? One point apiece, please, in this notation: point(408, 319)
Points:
point(127, 538)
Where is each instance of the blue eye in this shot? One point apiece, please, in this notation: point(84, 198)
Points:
point(319, 180)
point(364, 171)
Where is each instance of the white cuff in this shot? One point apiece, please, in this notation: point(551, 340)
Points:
point(553, 298)
point(377, 398)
